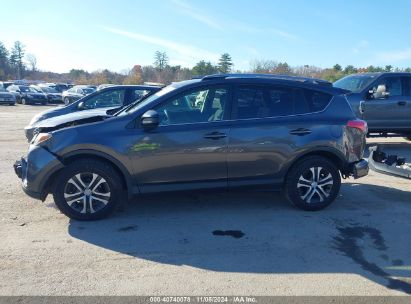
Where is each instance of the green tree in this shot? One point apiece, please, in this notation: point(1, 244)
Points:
point(160, 60)
point(388, 68)
point(337, 67)
point(283, 69)
point(203, 68)
point(225, 63)
point(350, 69)
point(4, 61)
point(16, 58)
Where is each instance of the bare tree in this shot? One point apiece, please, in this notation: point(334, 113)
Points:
point(32, 62)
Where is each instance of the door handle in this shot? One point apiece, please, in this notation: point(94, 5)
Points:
point(300, 132)
point(402, 103)
point(215, 135)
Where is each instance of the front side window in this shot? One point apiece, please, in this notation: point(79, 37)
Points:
point(201, 105)
point(392, 85)
point(112, 98)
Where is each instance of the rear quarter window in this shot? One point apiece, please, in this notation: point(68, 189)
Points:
point(310, 101)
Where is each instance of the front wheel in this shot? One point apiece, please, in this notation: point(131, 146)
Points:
point(87, 190)
point(24, 101)
point(66, 101)
point(313, 183)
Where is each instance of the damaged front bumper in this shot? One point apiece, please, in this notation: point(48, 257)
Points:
point(389, 164)
point(35, 171)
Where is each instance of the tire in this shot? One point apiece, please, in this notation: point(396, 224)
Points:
point(66, 101)
point(24, 101)
point(313, 183)
point(71, 190)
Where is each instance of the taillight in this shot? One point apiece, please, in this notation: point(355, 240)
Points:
point(358, 124)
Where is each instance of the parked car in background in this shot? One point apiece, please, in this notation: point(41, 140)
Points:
point(261, 131)
point(6, 97)
point(76, 93)
point(59, 87)
point(53, 96)
point(100, 103)
point(27, 95)
point(381, 99)
point(5, 84)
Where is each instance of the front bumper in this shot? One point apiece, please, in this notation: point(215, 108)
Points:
point(36, 170)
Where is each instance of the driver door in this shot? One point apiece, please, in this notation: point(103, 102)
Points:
point(188, 150)
point(385, 113)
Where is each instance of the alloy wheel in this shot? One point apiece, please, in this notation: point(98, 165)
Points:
point(315, 185)
point(87, 192)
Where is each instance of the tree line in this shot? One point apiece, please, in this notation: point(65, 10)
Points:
point(17, 64)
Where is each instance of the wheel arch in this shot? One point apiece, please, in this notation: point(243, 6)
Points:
point(96, 155)
point(330, 154)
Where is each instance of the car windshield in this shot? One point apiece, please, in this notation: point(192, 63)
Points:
point(88, 90)
point(354, 83)
point(28, 89)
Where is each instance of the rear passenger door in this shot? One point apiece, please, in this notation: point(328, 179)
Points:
point(267, 131)
point(259, 140)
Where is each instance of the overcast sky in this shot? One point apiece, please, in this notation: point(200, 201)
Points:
point(118, 34)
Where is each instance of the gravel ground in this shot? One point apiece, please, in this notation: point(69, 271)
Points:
point(181, 244)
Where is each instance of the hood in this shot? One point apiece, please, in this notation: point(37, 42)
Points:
point(79, 117)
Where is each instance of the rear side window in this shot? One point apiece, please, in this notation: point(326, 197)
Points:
point(309, 101)
point(280, 102)
point(250, 102)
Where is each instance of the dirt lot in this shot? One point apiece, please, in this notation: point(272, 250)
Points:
point(164, 245)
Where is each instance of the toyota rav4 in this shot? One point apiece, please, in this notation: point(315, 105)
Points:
point(221, 131)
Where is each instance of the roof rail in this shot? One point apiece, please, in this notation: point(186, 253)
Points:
point(271, 76)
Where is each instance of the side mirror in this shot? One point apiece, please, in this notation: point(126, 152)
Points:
point(150, 119)
point(81, 106)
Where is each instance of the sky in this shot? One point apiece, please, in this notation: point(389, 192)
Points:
point(117, 35)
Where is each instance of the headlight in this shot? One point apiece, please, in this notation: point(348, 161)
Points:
point(41, 138)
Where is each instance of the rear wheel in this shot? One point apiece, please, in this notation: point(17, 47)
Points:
point(66, 101)
point(87, 190)
point(24, 101)
point(313, 183)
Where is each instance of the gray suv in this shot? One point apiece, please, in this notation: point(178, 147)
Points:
point(383, 100)
point(221, 131)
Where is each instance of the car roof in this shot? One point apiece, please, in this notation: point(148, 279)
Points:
point(294, 81)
